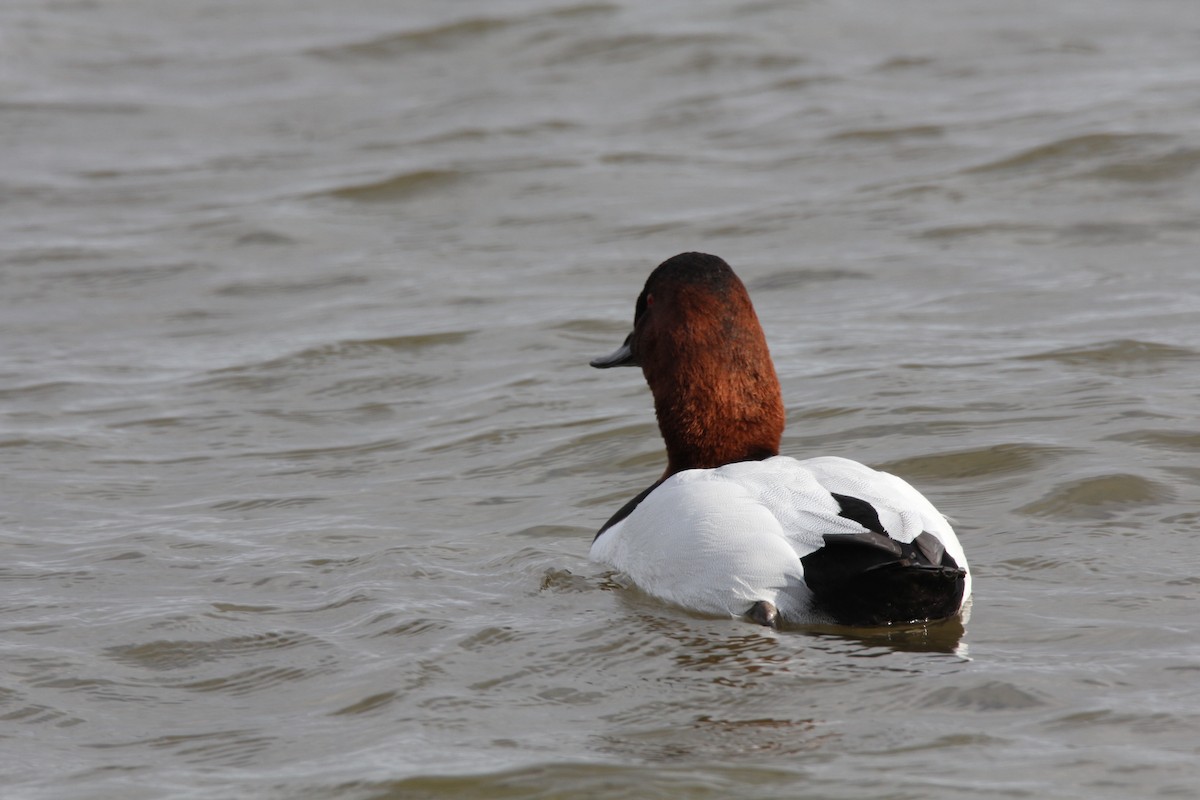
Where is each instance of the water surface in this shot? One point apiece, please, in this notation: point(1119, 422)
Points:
point(301, 455)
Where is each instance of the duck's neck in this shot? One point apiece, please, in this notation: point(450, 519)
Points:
point(721, 406)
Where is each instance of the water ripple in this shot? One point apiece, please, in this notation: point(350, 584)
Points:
point(1099, 497)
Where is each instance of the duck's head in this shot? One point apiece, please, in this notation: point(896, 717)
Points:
point(702, 350)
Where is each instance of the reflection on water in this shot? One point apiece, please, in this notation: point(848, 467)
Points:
point(936, 637)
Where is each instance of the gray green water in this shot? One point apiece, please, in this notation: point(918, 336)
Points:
point(301, 455)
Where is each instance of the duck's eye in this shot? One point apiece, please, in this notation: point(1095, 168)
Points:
point(644, 302)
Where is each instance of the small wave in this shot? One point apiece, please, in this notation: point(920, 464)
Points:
point(1099, 497)
point(366, 705)
point(400, 43)
point(1171, 166)
point(989, 696)
point(1108, 232)
point(248, 681)
point(228, 748)
point(278, 287)
point(74, 106)
point(1007, 230)
point(258, 503)
point(1120, 356)
point(167, 655)
point(584, 778)
point(629, 47)
point(117, 278)
point(264, 237)
point(1179, 440)
point(1000, 459)
point(402, 186)
point(889, 134)
point(258, 372)
point(448, 35)
point(411, 627)
point(20, 712)
point(803, 277)
point(1073, 151)
point(898, 63)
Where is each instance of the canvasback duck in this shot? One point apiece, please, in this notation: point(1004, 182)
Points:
point(734, 528)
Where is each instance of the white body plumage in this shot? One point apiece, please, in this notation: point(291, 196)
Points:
point(718, 540)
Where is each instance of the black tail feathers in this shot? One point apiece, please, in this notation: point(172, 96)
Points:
point(868, 579)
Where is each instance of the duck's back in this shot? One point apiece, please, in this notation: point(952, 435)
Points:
point(720, 540)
